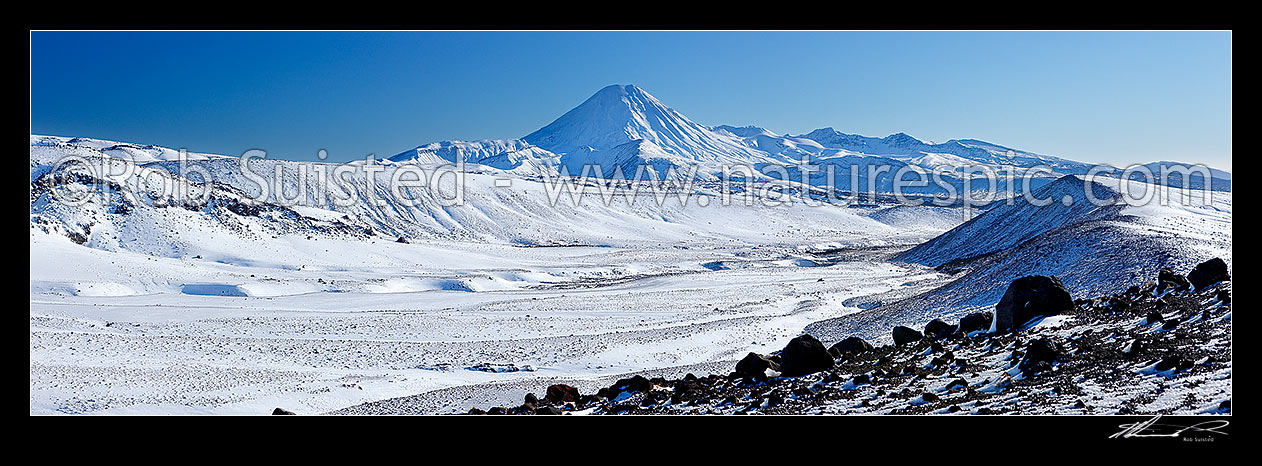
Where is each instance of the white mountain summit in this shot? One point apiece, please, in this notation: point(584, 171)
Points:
point(618, 114)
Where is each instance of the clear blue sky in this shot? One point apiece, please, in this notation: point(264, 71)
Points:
point(1112, 97)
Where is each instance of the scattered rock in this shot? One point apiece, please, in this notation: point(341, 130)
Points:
point(937, 328)
point(1174, 361)
point(1030, 297)
point(1224, 296)
point(1037, 368)
point(500, 368)
point(907, 379)
point(1043, 350)
point(1134, 348)
point(1208, 273)
point(1168, 280)
point(561, 393)
point(635, 383)
point(976, 321)
point(904, 335)
point(755, 366)
point(804, 355)
point(855, 344)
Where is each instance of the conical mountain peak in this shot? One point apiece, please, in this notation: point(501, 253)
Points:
point(618, 114)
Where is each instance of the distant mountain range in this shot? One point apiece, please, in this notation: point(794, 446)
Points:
point(624, 127)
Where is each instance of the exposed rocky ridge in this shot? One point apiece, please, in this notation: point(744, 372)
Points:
point(1136, 352)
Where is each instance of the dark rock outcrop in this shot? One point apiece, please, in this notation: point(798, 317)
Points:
point(804, 355)
point(280, 411)
point(755, 366)
point(976, 321)
point(561, 393)
point(635, 383)
point(851, 344)
point(1168, 280)
point(1173, 362)
point(904, 335)
point(1171, 324)
point(1208, 273)
point(937, 328)
point(1030, 297)
point(1041, 351)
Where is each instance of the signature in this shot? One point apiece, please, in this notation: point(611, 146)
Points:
point(1151, 428)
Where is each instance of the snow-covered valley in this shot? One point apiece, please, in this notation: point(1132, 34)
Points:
point(122, 332)
point(148, 303)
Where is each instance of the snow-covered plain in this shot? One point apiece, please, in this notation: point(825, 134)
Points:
point(349, 321)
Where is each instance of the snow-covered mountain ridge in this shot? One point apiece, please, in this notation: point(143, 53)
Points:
point(625, 126)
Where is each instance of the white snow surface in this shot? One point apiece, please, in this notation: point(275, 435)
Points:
point(240, 306)
point(166, 308)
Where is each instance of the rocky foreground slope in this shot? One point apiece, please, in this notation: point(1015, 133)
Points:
point(1162, 347)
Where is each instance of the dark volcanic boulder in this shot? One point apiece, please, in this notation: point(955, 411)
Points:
point(904, 335)
point(1208, 273)
point(1175, 362)
point(1030, 297)
point(937, 328)
point(855, 344)
point(804, 355)
point(1134, 348)
point(561, 393)
point(1171, 324)
point(1043, 350)
point(755, 365)
point(976, 321)
point(635, 383)
point(1168, 280)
